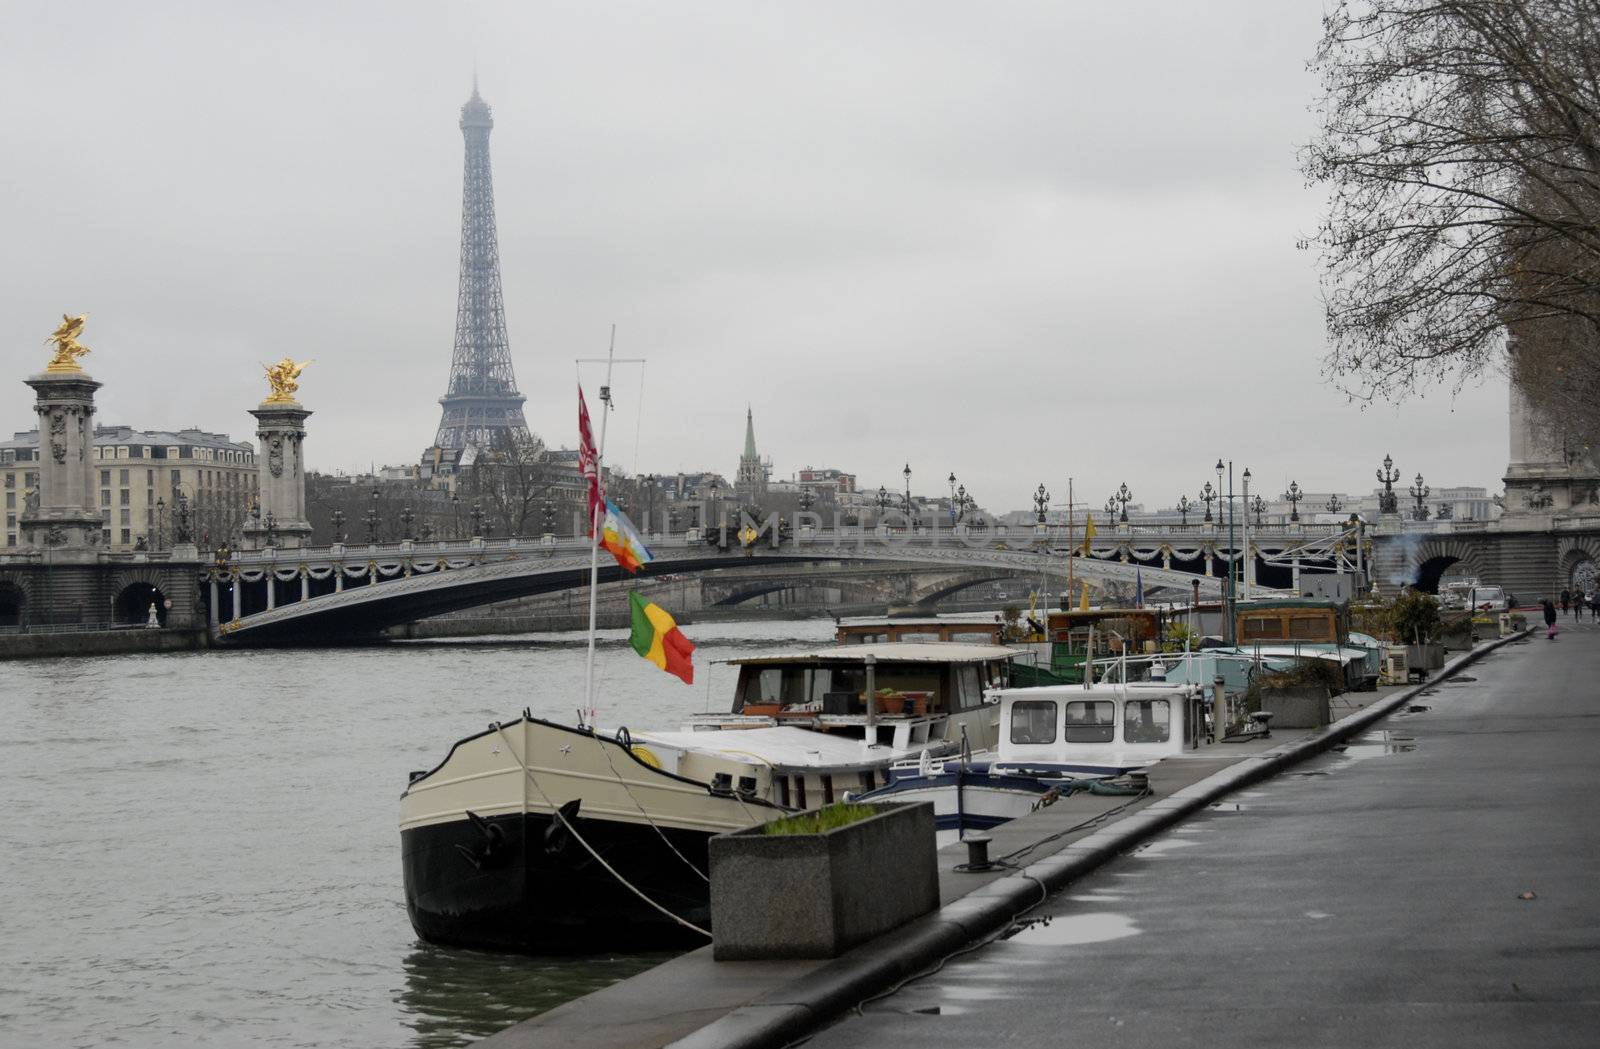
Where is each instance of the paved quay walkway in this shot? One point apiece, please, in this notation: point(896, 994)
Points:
point(702, 1002)
point(1370, 897)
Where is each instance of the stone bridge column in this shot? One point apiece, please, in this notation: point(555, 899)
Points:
point(62, 515)
point(280, 466)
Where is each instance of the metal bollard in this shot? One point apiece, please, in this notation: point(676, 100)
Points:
point(978, 852)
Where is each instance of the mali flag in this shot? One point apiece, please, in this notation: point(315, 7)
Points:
point(657, 638)
point(617, 535)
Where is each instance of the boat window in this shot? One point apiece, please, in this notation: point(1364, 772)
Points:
point(1310, 628)
point(1146, 721)
point(1091, 722)
point(971, 694)
point(1033, 721)
point(1261, 628)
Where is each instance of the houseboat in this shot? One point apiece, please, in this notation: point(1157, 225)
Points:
point(1053, 739)
point(1075, 635)
point(546, 838)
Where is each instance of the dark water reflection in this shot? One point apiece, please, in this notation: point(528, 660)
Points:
point(452, 997)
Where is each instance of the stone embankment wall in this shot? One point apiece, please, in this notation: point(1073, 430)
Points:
point(100, 643)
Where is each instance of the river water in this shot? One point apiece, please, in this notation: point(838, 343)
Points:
point(202, 849)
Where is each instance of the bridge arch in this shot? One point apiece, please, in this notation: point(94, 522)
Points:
point(1435, 556)
point(1580, 565)
point(13, 602)
point(134, 593)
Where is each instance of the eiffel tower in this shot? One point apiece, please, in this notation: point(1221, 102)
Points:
point(482, 406)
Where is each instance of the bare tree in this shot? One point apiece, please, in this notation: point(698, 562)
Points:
point(1461, 147)
point(511, 480)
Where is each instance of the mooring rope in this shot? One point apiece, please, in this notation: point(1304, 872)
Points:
point(556, 812)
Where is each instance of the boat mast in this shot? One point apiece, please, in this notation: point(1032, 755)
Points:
point(594, 531)
point(1071, 551)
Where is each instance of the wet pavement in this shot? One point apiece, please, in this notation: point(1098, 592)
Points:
point(1432, 883)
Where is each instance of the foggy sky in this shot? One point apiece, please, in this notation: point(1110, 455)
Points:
point(1016, 241)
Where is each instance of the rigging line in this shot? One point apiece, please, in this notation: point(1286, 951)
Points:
point(556, 812)
point(606, 753)
point(638, 419)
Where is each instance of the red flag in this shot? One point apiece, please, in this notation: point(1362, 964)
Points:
point(589, 460)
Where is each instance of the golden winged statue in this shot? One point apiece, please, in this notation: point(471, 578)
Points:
point(68, 348)
point(281, 377)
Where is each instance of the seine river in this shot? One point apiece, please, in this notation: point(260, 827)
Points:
point(202, 849)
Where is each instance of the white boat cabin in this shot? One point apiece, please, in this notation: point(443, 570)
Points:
point(1102, 730)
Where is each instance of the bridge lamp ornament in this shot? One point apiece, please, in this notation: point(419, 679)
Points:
point(1208, 496)
point(1333, 504)
point(1124, 497)
point(1183, 508)
point(338, 526)
point(1419, 492)
point(1041, 502)
point(1388, 502)
point(477, 519)
point(547, 514)
point(907, 474)
point(1294, 495)
point(1259, 506)
point(1111, 507)
point(406, 519)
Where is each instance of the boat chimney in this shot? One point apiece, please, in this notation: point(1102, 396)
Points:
point(872, 699)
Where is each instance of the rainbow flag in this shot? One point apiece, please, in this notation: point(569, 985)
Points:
point(618, 536)
point(657, 638)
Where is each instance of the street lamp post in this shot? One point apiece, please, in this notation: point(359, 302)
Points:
point(1208, 497)
point(952, 480)
point(1388, 502)
point(1229, 631)
point(1294, 495)
point(338, 525)
point(372, 519)
point(406, 518)
point(455, 515)
point(1247, 570)
point(161, 520)
point(961, 502)
point(477, 520)
point(1184, 506)
point(1259, 505)
point(907, 474)
point(1333, 504)
point(1419, 492)
point(1111, 507)
point(1124, 497)
point(1041, 502)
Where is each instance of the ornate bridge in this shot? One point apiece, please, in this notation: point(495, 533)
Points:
point(341, 591)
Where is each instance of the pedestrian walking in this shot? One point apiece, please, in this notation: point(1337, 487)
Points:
point(1594, 605)
point(1566, 596)
point(1550, 619)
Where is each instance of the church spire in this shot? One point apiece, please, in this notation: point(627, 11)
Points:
point(750, 485)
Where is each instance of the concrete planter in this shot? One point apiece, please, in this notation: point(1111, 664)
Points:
point(818, 895)
point(1425, 657)
point(1296, 706)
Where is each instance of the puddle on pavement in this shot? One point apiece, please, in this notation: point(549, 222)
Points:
point(1161, 846)
point(1071, 930)
point(1377, 745)
point(1098, 897)
point(1318, 915)
point(1226, 806)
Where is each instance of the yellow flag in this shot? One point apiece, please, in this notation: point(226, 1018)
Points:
point(1083, 605)
point(1088, 534)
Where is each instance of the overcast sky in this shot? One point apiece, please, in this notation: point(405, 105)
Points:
point(1017, 241)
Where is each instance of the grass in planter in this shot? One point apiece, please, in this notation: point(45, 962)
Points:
point(831, 818)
